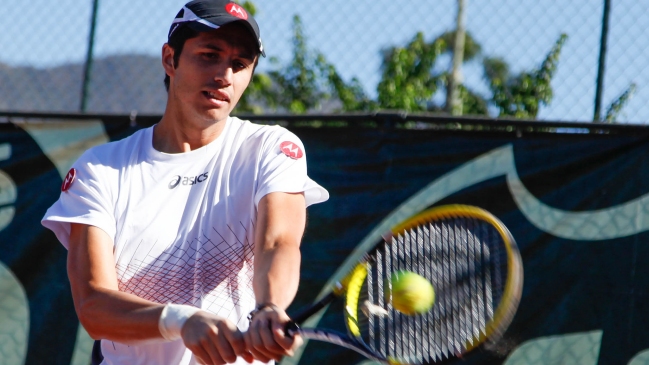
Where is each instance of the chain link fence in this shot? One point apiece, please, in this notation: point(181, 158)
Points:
point(45, 47)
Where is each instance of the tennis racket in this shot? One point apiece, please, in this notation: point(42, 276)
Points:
point(474, 266)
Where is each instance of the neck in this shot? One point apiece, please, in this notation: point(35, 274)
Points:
point(177, 133)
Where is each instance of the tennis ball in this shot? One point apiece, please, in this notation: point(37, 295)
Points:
point(411, 293)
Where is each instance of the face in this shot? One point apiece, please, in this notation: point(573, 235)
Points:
point(212, 73)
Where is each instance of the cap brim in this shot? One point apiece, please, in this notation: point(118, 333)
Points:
point(221, 21)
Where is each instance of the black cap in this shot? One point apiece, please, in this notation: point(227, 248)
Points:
point(206, 15)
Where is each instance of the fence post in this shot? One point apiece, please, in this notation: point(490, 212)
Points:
point(89, 58)
point(455, 80)
point(601, 68)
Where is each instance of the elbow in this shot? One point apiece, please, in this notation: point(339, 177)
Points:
point(89, 319)
point(94, 335)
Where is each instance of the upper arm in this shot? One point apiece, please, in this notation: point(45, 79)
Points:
point(281, 219)
point(91, 263)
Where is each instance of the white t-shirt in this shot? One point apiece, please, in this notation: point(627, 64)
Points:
point(183, 224)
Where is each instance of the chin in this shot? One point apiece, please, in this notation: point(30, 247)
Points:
point(217, 115)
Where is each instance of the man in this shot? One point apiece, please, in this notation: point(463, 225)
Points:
point(180, 232)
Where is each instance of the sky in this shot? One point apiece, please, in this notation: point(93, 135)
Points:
point(351, 35)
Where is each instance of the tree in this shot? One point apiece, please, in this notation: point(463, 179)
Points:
point(521, 96)
point(615, 108)
point(258, 97)
point(352, 96)
point(471, 103)
point(300, 85)
point(407, 82)
point(306, 83)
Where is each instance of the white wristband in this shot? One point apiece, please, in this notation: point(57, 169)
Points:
point(172, 319)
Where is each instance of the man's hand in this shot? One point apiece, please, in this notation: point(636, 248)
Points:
point(266, 339)
point(214, 340)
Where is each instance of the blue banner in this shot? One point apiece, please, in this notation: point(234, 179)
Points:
point(576, 203)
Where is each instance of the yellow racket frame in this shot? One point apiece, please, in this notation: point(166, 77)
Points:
point(352, 284)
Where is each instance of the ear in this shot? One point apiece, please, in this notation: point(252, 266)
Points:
point(168, 59)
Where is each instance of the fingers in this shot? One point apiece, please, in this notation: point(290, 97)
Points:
point(230, 342)
point(202, 356)
point(266, 338)
point(255, 344)
point(206, 352)
point(248, 357)
point(288, 343)
point(224, 349)
point(214, 340)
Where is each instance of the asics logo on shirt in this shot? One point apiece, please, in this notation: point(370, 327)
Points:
point(187, 180)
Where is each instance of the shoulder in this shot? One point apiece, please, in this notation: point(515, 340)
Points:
point(274, 141)
point(108, 155)
point(263, 134)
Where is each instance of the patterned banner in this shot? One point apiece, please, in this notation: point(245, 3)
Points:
point(577, 204)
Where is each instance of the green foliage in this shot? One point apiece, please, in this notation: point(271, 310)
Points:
point(304, 84)
point(472, 48)
point(614, 110)
point(496, 69)
point(352, 96)
point(472, 103)
point(250, 7)
point(521, 96)
point(408, 82)
point(299, 87)
point(258, 94)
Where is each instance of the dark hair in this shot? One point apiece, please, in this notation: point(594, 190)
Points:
point(176, 43)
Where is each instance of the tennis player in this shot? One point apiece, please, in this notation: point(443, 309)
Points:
point(184, 237)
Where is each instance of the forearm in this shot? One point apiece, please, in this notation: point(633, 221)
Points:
point(277, 275)
point(281, 219)
point(118, 316)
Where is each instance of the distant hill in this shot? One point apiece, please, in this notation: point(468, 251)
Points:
point(119, 84)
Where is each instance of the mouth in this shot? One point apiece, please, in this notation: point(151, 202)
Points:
point(217, 96)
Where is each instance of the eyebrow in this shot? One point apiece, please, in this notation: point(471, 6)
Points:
point(243, 52)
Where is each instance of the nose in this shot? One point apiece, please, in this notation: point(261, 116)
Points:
point(224, 75)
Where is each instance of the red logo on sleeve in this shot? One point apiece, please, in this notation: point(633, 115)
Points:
point(69, 179)
point(236, 10)
point(291, 150)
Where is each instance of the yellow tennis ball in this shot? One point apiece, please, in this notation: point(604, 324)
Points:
point(411, 293)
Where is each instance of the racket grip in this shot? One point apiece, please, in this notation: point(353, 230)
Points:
point(291, 328)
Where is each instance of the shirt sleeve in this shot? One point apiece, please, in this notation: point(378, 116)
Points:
point(283, 167)
point(87, 200)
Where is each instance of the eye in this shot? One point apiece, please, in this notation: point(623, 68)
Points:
point(210, 55)
point(239, 65)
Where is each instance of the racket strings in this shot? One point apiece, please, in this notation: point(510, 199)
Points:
point(465, 261)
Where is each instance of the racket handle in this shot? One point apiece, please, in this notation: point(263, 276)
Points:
point(291, 328)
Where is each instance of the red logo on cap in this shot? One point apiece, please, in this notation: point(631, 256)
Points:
point(236, 10)
point(291, 150)
point(69, 179)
